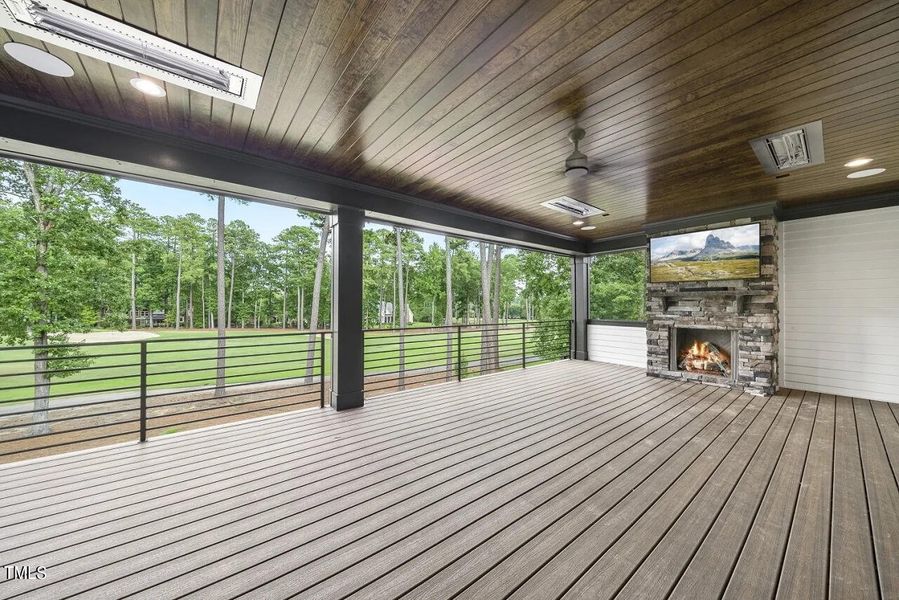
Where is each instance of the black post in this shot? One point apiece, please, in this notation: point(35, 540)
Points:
point(322, 387)
point(580, 303)
point(524, 362)
point(143, 390)
point(459, 352)
point(347, 337)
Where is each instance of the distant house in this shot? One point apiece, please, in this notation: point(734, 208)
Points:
point(143, 318)
point(385, 314)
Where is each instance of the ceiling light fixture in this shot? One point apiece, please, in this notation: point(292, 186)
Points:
point(865, 173)
point(39, 60)
point(87, 32)
point(858, 162)
point(577, 222)
point(588, 227)
point(148, 87)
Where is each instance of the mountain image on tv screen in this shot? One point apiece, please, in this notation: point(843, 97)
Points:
point(728, 253)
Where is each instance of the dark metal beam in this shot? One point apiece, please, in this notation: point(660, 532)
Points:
point(347, 343)
point(580, 298)
point(50, 135)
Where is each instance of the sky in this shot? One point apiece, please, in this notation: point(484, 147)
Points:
point(741, 235)
point(267, 220)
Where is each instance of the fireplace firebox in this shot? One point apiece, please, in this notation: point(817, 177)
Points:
point(705, 352)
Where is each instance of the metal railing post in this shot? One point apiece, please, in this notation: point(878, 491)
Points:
point(143, 391)
point(524, 361)
point(322, 382)
point(459, 352)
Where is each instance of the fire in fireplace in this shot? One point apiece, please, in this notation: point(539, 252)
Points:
point(703, 351)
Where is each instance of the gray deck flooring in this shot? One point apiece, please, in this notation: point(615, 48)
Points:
point(569, 480)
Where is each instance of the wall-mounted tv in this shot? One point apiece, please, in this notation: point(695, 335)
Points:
point(727, 253)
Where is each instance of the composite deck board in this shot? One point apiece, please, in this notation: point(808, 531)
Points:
point(853, 572)
point(577, 480)
point(354, 464)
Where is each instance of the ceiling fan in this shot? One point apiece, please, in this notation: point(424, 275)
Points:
point(577, 164)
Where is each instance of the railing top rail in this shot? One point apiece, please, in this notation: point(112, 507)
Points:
point(470, 325)
point(169, 340)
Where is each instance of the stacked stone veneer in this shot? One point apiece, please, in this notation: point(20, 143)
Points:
point(718, 308)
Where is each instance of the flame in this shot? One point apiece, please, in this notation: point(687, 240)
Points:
point(700, 357)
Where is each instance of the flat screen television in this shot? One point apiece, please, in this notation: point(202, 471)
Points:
point(726, 253)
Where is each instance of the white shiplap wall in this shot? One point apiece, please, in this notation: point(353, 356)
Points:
point(620, 345)
point(839, 295)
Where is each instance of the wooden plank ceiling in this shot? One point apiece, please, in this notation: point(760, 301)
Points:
point(469, 102)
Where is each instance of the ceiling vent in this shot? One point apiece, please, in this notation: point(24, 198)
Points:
point(790, 149)
point(86, 32)
point(575, 208)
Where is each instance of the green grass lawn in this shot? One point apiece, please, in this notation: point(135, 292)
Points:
point(704, 270)
point(184, 359)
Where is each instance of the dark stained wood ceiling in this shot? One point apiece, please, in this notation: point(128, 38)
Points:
point(469, 102)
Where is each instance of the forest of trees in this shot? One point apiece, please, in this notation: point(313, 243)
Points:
point(77, 255)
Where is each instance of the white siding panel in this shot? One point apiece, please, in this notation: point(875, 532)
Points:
point(839, 295)
point(620, 345)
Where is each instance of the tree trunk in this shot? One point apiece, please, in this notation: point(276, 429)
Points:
point(448, 317)
point(486, 259)
point(497, 285)
point(220, 298)
point(190, 305)
point(284, 309)
point(134, 286)
point(178, 292)
point(203, 313)
point(402, 307)
point(316, 295)
point(39, 417)
point(302, 307)
point(231, 291)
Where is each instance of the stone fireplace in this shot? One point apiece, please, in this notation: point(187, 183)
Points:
point(718, 332)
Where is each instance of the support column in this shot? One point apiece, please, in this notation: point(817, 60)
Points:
point(347, 368)
point(580, 305)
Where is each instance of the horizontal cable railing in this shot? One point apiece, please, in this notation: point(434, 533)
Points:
point(397, 359)
point(65, 397)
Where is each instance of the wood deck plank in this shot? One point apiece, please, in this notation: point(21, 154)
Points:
point(883, 499)
point(269, 526)
point(695, 496)
point(383, 528)
point(233, 483)
point(450, 564)
point(695, 528)
point(853, 572)
point(807, 559)
point(595, 482)
point(756, 573)
point(552, 562)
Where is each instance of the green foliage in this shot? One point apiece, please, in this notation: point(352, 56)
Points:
point(59, 248)
point(617, 286)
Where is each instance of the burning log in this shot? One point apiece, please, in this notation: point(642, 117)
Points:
point(705, 357)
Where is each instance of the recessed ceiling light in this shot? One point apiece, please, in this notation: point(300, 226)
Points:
point(577, 223)
point(865, 173)
point(39, 60)
point(588, 227)
point(148, 87)
point(858, 162)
